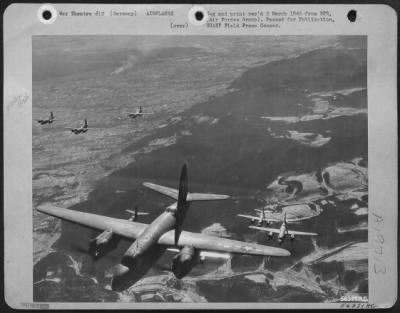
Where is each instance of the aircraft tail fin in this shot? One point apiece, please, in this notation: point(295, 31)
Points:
point(86, 124)
point(183, 185)
point(182, 206)
point(51, 116)
point(183, 198)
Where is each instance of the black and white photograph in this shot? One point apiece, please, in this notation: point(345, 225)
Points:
point(194, 169)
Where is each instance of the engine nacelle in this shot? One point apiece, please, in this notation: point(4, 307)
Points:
point(101, 243)
point(184, 261)
point(292, 237)
point(270, 235)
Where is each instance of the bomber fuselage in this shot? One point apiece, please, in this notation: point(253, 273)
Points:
point(282, 233)
point(165, 222)
point(43, 122)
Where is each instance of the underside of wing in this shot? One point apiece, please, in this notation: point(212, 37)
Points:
point(271, 230)
point(170, 192)
point(205, 197)
point(217, 244)
point(124, 228)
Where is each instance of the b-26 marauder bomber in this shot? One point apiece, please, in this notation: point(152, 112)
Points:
point(138, 113)
point(135, 214)
point(47, 120)
point(261, 218)
point(80, 130)
point(294, 212)
point(151, 240)
point(283, 231)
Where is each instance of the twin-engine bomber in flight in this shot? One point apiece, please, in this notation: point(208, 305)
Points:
point(47, 121)
point(261, 218)
point(283, 231)
point(80, 130)
point(165, 232)
point(138, 113)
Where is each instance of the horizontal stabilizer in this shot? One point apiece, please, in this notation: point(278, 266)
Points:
point(169, 192)
point(173, 193)
point(257, 218)
point(205, 197)
point(249, 216)
point(301, 233)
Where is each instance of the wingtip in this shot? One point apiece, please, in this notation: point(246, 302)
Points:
point(41, 209)
point(47, 209)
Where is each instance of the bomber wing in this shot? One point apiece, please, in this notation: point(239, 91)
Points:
point(218, 244)
point(131, 230)
point(268, 229)
point(124, 228)
point(290, 232)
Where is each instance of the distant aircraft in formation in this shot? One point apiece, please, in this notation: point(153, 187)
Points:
point(84, 128)
point(47, 121)
point(151, 240)
point(283, 231)
point(261, 218)
point(80, 130)
point(135, 214)
point(138, 113)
